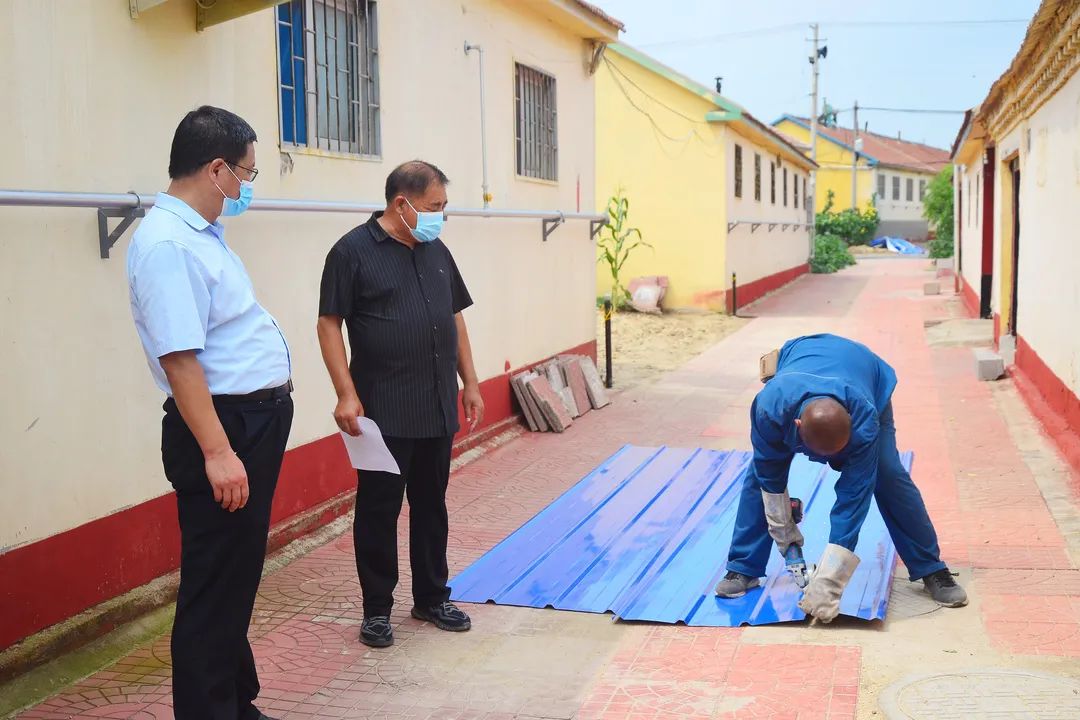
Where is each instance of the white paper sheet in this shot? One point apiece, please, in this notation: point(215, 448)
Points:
point(369, 451)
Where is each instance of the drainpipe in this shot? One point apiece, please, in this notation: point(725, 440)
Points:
point(483, 124)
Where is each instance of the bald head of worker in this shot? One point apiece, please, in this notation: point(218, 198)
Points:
point(825, 426)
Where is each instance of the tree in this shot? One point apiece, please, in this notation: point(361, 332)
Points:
point(938, 209)
point(617, 243)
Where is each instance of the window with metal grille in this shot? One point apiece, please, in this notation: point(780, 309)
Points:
point(910, 189)
point(772, 182)
point(535, 123)
point(896, 187)
point(796, 192)
point(785, 187)
point(757, 177)
point(881, 186)
point(328, 75)
point(738, 171)
point(922, 190)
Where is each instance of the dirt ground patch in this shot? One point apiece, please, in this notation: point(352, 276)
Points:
point(867, 250)
point(645, 347)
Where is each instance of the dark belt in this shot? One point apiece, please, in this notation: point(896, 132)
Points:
point(258, 396)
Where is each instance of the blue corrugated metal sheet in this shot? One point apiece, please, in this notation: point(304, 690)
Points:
point(645, 536)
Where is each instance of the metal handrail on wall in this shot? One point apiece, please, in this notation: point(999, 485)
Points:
point(755, 224)
point(130, 206)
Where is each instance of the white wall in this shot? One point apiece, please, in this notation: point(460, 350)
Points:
point(91, 102)
point(763, 252)
point(902, 209)
point(1049, 294)
point(968, 218)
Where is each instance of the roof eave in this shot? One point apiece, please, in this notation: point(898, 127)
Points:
point(674, 76)
point(579, 18)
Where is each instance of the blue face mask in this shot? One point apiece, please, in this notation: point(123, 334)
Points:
point(428, 224)
point(231, 207)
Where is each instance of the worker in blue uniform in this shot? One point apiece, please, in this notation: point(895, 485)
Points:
point(830, 399)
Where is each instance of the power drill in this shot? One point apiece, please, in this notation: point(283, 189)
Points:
point(793, 555)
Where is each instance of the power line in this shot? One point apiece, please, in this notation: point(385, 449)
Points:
point(725, 36)
point(924, 23)
point(917, 111)
point(615, 71)
point(644, 92)
point(754, 32)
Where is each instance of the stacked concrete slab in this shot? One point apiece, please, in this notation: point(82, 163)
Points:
point(554, 393)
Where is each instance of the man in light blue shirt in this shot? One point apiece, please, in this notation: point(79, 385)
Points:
point(225, 367)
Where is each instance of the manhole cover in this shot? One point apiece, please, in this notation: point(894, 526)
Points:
point(908, 600)
point(982, 695)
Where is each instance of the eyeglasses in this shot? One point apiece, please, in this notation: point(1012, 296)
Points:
point(253, 171)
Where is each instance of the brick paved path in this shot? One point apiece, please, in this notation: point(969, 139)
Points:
point(980, 462)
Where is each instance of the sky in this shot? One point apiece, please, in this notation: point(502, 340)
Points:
point(917, 54)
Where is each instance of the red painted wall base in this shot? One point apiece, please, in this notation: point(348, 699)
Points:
point(1052, 402)
point(48, 581)
point(969, 296)
point(757, 289)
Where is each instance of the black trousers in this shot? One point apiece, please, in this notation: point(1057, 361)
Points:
point(221, 558)
point(425, 473)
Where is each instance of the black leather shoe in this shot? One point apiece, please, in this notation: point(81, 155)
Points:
point(445, 616)
point(375, 631)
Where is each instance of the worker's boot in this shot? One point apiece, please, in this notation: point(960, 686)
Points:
point(735, 585)
point(943, 588)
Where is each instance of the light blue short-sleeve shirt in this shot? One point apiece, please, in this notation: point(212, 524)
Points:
point(190, 291)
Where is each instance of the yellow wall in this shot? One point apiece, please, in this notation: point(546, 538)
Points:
point(839, 181)
point(673, 173)
point(92, 99)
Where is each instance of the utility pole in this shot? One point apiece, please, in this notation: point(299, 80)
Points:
point(856, 146)
point(812, 205)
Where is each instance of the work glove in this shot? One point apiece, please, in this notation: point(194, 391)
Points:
point(782, 527)
point(821, 598)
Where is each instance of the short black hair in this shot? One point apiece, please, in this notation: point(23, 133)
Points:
point(205, 135)
point(413, 178)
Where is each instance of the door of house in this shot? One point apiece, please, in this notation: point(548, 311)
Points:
point(986, 287)
point(1014, 168)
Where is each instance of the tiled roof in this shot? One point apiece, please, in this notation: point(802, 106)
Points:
point(598, 12)
point(888, 150)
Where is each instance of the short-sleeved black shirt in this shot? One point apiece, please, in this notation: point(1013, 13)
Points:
point(399, 306)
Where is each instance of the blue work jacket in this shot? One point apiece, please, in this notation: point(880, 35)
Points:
point(812, 367)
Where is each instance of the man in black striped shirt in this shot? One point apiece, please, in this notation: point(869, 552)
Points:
point(397, 289)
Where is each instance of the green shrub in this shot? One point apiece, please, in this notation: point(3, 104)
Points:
point(853, 226)
point(830, 254)
point(938, 209)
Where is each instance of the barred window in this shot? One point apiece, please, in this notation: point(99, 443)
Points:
point(757, 177)
point(328, 75)
point(738, 171)
point(785, 187)
point(772, 182)
point(796, 192)
point(881, 186)
point(922, 189)
point(896, 187)
point(536, 126)
point(910, 189)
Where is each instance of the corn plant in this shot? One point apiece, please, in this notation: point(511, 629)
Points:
point(617, 242)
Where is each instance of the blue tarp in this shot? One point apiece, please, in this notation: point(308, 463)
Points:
point(645, 536)
point(897, 245)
